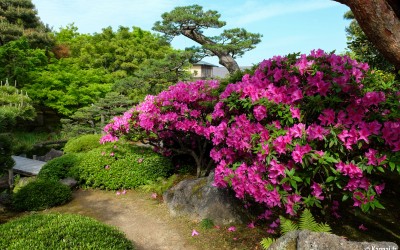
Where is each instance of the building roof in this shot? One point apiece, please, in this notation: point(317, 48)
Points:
point(204, 63)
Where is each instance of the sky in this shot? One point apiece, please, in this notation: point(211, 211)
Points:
point(286, 26)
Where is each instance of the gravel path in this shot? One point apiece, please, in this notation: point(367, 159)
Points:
point(145, 222)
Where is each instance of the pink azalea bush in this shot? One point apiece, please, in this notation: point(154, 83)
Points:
point(176, 121)
point(300, 132)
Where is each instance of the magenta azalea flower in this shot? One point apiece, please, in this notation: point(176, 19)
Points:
point(194, 232)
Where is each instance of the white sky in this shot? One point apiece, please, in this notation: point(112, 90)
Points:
point(287, 26)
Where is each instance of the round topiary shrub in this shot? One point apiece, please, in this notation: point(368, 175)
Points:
point(41, 194)
point(58, 168)
point(83, 143)
point(123, 166)
point(60, 231)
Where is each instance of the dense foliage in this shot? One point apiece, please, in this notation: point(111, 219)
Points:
point(41, 194)
point(300, 132)
point(83, 143)
point(58, 168)
point(120, 166)
point(60, 231)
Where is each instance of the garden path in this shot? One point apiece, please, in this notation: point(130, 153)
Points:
point(145, 221)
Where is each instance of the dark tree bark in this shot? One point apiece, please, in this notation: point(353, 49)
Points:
point(224, 58)
point(380, 21)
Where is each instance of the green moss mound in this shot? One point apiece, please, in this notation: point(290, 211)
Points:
point(58, 168)
point(83, 143)
point(41, 194)
point(120, 167)
point(60, 231)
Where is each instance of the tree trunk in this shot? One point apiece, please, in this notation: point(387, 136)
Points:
point(380, 21)
point(224, 58)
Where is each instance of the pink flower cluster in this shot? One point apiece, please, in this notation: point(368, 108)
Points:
point(276, 131)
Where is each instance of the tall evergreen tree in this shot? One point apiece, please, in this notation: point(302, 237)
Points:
point(18, 18)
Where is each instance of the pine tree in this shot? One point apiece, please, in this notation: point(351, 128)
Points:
point(18, 18)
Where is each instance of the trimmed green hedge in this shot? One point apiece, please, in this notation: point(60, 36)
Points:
point(58, 168)
point(83, 143)
point(60, 231)
point(41, 194)
point(123, 167)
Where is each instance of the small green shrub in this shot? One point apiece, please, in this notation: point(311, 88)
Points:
point(125, 166)
point(41, 194)
point(83, 143)
point(58, 168)
point(60, 231)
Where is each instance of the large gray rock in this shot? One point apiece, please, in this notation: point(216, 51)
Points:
point(299, 240)
point(53, 153)
point(199, 199)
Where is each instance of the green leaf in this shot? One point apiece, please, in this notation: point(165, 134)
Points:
point(296, 178)
point(329, 179)
point(287, 225)
point(392, 166)
point(267, 242)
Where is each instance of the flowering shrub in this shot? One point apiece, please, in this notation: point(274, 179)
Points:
point(300, 132)
point(176, 121)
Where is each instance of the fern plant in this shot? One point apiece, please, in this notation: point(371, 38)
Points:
point(306, 222)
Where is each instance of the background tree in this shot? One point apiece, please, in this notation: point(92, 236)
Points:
point(18, 18)
point(18, 60)
point(191, 21)
point(155, 75)
point(91, 119)
point(363, 49)
point(380, 21)
point(86, 67)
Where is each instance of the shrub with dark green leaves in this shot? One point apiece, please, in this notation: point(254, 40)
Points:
point(83, 143)
point(58, 168)
point(124, 166)
point(41, 194)
point(60, 231)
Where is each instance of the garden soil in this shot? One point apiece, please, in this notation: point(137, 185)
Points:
point(145, 221)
